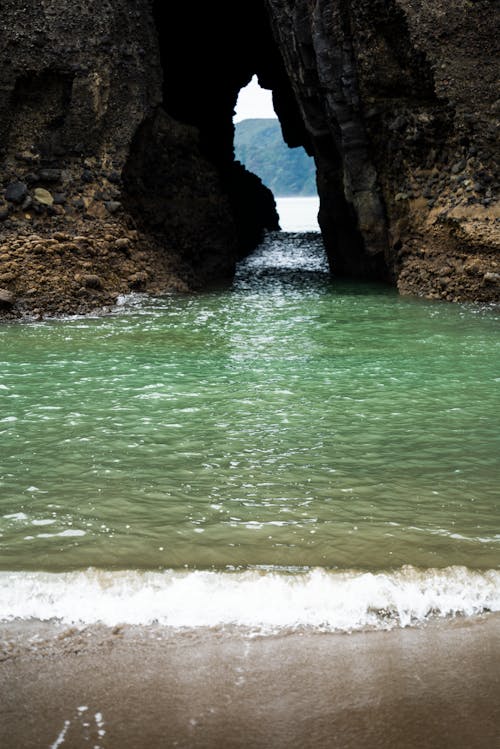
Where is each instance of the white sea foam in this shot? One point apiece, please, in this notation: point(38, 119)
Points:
point(70, 533)
point(16, 516)
point(263, 599)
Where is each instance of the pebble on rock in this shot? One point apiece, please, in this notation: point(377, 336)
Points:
point(138, 281)
point(113, 206)
point(92, 281)
point(16, 192)
point(50, 175)
point(458, 167)
point(491, 277)
point(7, 298)
point(43, 196)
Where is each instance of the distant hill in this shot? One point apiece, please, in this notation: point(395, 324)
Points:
point(259, 145)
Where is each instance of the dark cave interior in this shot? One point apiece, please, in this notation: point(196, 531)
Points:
point(225, 45)
point(204, 69)
point(208, 54)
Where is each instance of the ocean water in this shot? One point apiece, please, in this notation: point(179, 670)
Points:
point(293, 451)
point(298, 214)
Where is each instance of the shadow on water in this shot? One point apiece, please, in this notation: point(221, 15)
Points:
point(297, 261)
point(285, 261)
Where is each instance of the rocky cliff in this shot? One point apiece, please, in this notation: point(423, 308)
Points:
point(116, 142)
point(400, 102)
point(116, 168)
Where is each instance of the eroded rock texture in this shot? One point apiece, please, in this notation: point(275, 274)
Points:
point(76, 82)
point(116, 151)
point(400, 100)
point(116, 158)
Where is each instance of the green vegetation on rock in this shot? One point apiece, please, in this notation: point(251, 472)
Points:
point(259, 145)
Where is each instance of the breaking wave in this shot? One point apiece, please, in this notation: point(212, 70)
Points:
point(265, 599)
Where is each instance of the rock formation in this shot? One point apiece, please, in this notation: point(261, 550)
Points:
point(400, 101)
point(116, 155)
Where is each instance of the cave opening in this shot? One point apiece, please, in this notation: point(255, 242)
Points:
point(289, 173)
point(207, 56)
point(182, 158)
point(203, 73)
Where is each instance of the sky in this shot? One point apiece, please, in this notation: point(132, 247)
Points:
point(253, 101)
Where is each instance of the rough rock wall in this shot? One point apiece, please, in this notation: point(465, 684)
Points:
point(75, 84)
point(400, 100)
point(89, 154)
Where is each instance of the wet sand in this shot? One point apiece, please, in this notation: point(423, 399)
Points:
point(434, 686)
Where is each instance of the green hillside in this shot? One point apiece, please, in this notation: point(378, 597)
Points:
point(259, 145)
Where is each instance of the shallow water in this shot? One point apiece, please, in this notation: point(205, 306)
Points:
point(289, 423)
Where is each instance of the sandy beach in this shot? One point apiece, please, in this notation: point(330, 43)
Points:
point(133, 687)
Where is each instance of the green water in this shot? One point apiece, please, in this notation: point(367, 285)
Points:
point(290, 420)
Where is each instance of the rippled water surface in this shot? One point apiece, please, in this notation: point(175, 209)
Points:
point(289, 421)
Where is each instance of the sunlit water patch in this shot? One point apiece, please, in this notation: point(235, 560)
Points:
point(289, 423)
